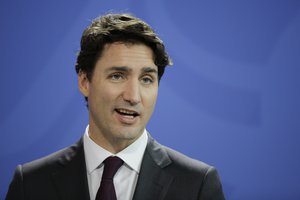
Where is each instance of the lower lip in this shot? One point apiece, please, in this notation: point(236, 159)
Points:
point(126, 119)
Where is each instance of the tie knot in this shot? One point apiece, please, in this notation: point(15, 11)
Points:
point(111, 166)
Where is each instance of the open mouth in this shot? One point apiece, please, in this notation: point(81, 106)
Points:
point(126, 112)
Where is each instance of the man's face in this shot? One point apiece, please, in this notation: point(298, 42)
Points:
point(121, 94)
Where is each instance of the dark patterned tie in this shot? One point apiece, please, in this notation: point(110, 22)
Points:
point(106, 190)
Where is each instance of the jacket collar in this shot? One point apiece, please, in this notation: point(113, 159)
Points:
point(152, 177)
point(70, 176)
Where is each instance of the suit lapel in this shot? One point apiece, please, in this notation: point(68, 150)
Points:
point(71, 180)
point(70, 177)
point(153, 181)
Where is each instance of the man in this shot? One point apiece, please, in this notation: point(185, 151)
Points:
point(119, 66)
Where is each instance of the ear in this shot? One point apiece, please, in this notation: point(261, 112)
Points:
point(83, 83)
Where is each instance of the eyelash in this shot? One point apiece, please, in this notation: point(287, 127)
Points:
point(114, 75)
point(145, 78)
point(148, 78)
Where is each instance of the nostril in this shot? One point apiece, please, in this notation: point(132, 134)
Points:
point(132, 102)
point(131, 97)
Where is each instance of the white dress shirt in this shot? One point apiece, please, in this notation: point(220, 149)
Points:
point(126, 177)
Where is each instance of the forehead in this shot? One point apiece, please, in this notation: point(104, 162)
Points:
point(125, 54)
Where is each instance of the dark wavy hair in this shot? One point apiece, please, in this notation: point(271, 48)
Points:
point(123, 28)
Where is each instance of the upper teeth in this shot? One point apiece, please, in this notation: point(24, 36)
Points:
point(126, 111)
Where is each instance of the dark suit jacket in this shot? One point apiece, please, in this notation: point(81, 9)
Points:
point(165, 175)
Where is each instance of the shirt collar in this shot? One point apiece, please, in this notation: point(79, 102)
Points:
point(131, 155)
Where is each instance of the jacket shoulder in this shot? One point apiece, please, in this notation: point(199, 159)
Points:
point(183, 162)
point(57, 158)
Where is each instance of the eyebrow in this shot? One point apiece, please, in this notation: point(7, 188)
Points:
point(149, 70)
point(121, 68)
point(127, 69)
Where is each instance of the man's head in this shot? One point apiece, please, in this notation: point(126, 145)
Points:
point(123, 28)
point(119, 67)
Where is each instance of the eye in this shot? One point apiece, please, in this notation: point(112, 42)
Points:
point(147, 80)
point(116, 77)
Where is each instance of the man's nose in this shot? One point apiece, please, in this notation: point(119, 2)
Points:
point(132, 93)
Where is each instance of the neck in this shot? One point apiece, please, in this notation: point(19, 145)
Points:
point(108, 142)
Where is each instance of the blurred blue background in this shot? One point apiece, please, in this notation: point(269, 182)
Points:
point(232, 98)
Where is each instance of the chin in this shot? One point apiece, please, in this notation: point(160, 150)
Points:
point(130, 134)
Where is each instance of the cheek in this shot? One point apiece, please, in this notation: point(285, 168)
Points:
point(106, 93)
point(150, 101)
